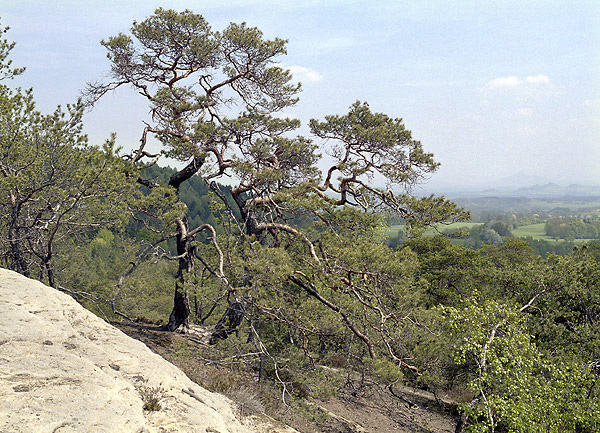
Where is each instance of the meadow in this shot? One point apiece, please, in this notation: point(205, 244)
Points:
point(535, 231)
point(538, 232)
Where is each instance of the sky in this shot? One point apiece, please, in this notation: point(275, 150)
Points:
point(492, 88)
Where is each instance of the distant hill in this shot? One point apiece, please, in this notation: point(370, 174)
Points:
point(518, 180)
point(515, 185)
point(547, 190)
point(552, 189)
point(556, 205)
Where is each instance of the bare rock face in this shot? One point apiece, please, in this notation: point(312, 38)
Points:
point(62, 369)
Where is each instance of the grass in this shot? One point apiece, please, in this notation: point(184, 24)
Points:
point(535, 231)
point(151, 397)
point(538, 232)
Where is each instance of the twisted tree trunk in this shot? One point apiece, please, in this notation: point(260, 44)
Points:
point(181, 300)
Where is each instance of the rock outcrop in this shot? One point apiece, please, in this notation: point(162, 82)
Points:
point(62, 369)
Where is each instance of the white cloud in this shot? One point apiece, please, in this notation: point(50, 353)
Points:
point(303, 74)
point(538, 79)
point(513, 81)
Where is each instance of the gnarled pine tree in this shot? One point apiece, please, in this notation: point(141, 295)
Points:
point(214, 100)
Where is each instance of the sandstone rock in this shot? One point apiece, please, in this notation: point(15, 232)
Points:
point(62, 369)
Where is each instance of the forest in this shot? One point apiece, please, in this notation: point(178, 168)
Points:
point(291, 264)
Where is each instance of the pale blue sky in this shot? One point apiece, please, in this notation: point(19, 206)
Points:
point(492, 88)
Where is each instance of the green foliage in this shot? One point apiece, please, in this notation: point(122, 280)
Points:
point(589, 250)
point(394, 153)
point(385, 371)
point(6, 69)
point(571, 229)
point(516, 387)
point(522, 333)
point(451, 272)
point(54, 185)
point(567, 324)
point(546, 248)
point(91, 267)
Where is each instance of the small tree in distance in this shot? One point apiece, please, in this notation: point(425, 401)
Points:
point(54, 185)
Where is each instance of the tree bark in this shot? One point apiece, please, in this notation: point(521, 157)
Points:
point(19, 263)
point(229, 322)
point(181, 302)
point(181, 311)
point(247, 213)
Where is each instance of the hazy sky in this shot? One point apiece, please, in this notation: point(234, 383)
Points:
point(492, 88)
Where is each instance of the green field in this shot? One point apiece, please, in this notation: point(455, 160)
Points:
point(537, 231)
